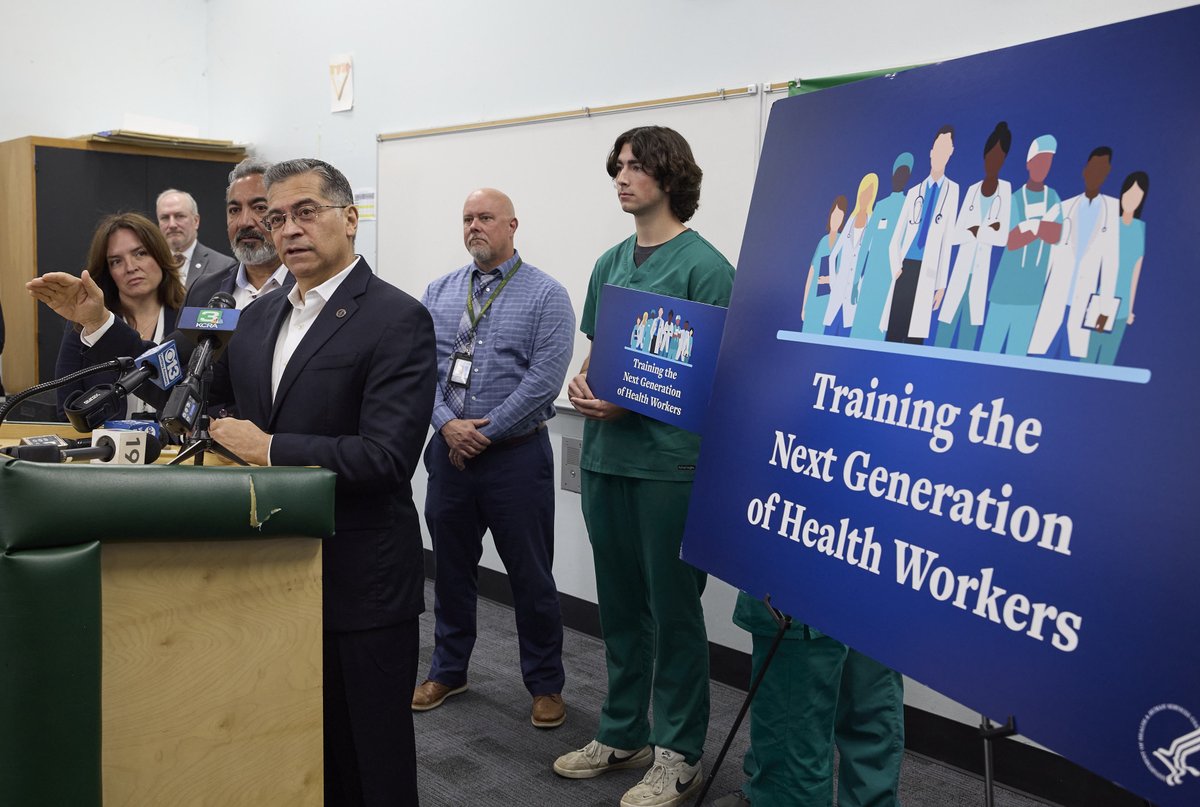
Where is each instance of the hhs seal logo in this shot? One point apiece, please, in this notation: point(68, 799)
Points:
point(1167, 737)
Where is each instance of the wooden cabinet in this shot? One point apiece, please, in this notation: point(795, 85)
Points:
point(52, 194)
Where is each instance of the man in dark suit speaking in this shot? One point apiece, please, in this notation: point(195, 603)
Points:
point(339, 372)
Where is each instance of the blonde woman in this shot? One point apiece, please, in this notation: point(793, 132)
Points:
point(839, 315)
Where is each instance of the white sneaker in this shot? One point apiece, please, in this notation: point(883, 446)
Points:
point(669, 781)
point(596, 758)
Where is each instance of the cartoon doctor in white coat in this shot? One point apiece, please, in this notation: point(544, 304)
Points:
point(1083, 263)
point(920, 248)
point(982, 225)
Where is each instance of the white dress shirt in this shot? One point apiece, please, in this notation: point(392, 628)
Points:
point(244, 292)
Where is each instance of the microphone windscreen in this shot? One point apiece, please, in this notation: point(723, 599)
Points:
point(222, 299)
point(153, 448)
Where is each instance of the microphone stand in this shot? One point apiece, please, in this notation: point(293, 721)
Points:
point(200, 441)
point(122, 364)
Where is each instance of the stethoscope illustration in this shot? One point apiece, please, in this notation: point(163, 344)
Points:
point(1066, 235)
point(993, 213)
point(919, 204)
point(1066, 239)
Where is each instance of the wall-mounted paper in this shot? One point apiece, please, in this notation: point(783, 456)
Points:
point(341, 83)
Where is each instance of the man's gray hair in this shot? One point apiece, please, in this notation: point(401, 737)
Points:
point(190, 199)
point(247, 168)
point(334, 184)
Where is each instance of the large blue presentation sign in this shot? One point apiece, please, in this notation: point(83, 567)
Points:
point(952, 419)
point(655, 354)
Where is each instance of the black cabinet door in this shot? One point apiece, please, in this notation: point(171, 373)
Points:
point(76, 188)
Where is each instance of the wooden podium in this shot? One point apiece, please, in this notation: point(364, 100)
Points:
point(206, 679)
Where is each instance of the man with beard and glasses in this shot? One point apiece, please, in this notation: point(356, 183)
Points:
point(258, 270)
point(504, 337)
point(179, 219)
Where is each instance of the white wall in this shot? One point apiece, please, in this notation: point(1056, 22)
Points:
point(76, 67)
point(258, 72)
point(424, 64)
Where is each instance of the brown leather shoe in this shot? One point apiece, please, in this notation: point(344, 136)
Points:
point(430, 695)
point(549, 711)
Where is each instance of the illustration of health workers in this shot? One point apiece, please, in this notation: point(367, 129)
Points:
point(839, 314)
point(1020, 279)
point(816, 288)
point(872, 286)
point(920, 248)
point(1083, 268)
point(1103, 347)
point(982, 225)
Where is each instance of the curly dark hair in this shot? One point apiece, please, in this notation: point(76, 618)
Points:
point(170, 290)
point(667, 157)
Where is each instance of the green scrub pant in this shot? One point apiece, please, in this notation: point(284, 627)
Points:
point(961, 323)
point(818, 692)
point(1008, 328)
point(655, 643)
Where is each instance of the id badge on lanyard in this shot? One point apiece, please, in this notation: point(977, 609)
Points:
point(460, 369)
point(461, 361)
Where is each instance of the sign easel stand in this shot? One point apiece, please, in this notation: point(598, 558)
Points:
point(989, 733)
point(784, 622)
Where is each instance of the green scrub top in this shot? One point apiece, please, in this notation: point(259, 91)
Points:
point(687, 267)
point(1021, 275)
point(1132, 246)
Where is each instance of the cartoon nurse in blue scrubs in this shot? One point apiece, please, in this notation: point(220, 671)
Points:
point(873, 269)
point(816, 288)
point(1103, 347)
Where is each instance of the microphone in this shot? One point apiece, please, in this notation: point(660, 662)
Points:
point(108, 447)
point(160, 364)
point(212, 327)
point(55, 440)
point(148, 426)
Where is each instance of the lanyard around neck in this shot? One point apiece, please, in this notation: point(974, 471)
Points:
point(471, 296)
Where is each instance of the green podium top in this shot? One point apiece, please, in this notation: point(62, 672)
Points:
point(44, 505)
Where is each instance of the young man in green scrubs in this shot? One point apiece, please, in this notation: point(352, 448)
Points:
point(637, 477)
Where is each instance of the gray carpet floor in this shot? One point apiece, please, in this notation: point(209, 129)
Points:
point(479, 747)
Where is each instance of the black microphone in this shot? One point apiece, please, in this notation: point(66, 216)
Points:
point(109, 447)
point(212, 326)
point(87, 410)
point(39, 452)
point(55, 440)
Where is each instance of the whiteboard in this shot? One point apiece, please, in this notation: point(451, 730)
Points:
point(566, 206)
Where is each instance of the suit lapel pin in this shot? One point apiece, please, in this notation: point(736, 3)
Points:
point(341, 312)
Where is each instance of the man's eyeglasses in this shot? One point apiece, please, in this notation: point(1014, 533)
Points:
point(305, 214)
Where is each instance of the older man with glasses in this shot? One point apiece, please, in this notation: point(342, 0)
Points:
point(338, 373)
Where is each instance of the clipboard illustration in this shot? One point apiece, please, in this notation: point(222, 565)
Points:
point(1101, 313)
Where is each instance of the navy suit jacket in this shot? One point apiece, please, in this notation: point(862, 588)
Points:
point(74, 355)
point(356, 398)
